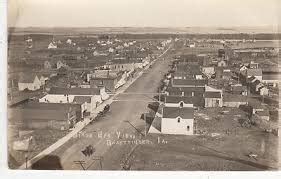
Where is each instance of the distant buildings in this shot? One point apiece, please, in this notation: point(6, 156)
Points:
point(209, 71)
point(257, 73)
point(271, 79)
point(30, 82)
point(52, 45)
point(107, 79)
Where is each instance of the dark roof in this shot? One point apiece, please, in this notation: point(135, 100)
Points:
point(188, 69)
point(82, 99)
point(227, 97)
point(195, 100)
point(177, 99)
point(50, 106)
point(211, 94)
point(187, 89)
point(27, 78)
point(21, 114)
point(174, 112)
point(189, 82)
point(75, 91)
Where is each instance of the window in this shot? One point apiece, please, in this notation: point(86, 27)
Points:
point(217, 102)
point(179, 120)
point(181, 104)
point(187, 128)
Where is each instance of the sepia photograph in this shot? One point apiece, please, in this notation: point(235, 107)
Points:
point(143, 85)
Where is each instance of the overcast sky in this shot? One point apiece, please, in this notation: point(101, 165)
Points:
point(143, 13)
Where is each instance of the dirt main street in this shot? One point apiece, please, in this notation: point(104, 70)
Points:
point(122, 122)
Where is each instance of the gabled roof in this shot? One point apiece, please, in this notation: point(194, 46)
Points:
point(75, 91)
point(227, 97)
point(174, 112)
point(195, 100)
point(27, 78)
point(210, 94)
point(177, 99)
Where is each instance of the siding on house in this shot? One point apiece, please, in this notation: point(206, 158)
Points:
point(213, 99)
point(177, 121)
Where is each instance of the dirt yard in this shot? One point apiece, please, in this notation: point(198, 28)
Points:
point(214, 150)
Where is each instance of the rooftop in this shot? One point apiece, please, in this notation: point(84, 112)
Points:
point(27, 78)
point(227, 97)
point(177, 99)
point(75, 91)
point(189, 82)
point(187, 89)
point(174, 112)
point(211, 94)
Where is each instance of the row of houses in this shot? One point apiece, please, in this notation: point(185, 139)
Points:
point(186, 90)
point(60, 108)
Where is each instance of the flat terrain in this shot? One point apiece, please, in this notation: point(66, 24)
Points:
point(166, 152)
point(124, 118)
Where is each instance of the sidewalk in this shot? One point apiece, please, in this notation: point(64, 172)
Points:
point(81, 124)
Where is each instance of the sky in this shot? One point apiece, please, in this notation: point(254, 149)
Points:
point(143, 13)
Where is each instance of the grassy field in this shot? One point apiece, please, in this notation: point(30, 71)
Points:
point(223, 152)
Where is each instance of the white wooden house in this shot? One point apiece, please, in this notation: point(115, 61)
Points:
point(29, 81)
point(177, 120)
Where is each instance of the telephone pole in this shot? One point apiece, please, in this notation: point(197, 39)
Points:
point(145, 129)
point(80, 162)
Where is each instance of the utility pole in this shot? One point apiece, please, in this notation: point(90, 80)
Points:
point(159, 95)
point(26, 158)
point(80, 162)
point(145, 125)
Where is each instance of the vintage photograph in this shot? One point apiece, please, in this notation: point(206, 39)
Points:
point(143, 85)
